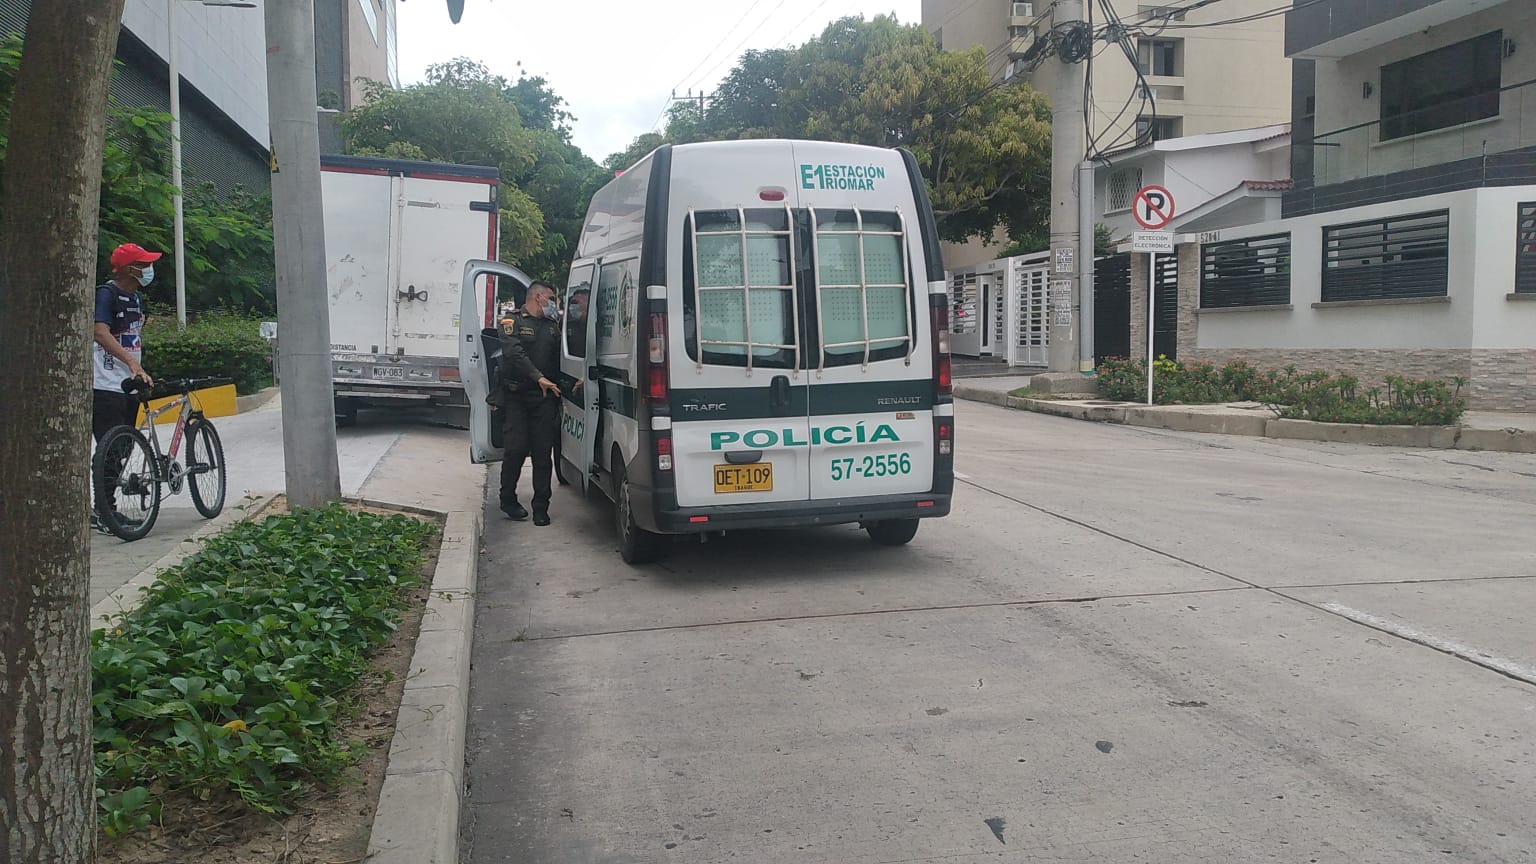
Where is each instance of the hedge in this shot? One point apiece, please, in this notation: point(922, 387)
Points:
point(1320, 396)
point(213, 346)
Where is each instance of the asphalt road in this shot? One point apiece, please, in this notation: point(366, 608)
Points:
point(1124, 645)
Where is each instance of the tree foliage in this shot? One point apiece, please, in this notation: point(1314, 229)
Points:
point(228, 238)
point(462, 113)
point(984, 148)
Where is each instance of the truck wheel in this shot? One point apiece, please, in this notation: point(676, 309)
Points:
point(346, 413)
point(892, 532)
point(636, 545)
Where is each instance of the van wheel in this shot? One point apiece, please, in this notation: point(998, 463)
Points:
point(636, 545)
point(892, 532)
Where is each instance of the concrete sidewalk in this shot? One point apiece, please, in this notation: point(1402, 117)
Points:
point(1479, 430)
point(400, 460)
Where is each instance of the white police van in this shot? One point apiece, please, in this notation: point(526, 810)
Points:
point(763, 333)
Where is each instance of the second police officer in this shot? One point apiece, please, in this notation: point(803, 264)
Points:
point(530, 366)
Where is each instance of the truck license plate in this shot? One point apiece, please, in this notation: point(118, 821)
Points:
point(757, 477)
point(393, 372)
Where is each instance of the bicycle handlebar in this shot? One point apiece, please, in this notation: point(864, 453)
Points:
point(178, 387)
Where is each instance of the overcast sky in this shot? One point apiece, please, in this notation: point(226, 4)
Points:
point(616, 63)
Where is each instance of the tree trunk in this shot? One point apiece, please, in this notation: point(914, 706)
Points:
point(47, 258)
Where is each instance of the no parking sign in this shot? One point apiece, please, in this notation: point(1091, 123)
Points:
point(1152, 207)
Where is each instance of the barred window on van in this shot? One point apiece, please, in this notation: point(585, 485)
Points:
point(863, 294)
point(740, 303)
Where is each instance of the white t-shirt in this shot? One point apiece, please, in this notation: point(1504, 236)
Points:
point(123, 312)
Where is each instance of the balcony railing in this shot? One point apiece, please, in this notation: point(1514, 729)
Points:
point(1358, 151)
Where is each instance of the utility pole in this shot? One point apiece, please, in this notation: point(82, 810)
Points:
point(1068, 144)
point(303, 316)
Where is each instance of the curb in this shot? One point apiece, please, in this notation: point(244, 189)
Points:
point(1261, 426)
point(255, 400)
point(127, 596)
point(417, 820)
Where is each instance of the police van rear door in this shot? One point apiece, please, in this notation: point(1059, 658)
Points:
point(480, 350)
point(872, 392)
point(741, 433)
point(578, 407)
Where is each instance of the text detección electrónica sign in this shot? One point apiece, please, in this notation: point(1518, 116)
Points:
point(1160, 242)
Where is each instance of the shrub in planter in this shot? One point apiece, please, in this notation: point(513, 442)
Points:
point(212, 346)
point(1402, 402)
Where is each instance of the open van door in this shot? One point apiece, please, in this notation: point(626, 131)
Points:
point(480, 351)
point(579, 408)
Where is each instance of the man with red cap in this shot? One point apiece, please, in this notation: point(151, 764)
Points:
point(119, 340)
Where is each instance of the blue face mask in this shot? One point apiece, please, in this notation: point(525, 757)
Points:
point(147, 275)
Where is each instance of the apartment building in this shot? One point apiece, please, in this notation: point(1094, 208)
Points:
point(1408, 243)
point(221, 55)
point(355, 40)
point(1202, 75)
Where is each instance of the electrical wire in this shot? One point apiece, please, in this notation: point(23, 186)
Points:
point(791, 31)
point(734, 51)
point(673, 97)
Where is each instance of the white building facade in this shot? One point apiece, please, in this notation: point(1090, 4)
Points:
point(1408, 245)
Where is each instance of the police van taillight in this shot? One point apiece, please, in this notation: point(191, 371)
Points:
point(943, 382)
point(656, 374)
point(663, 453)
point(946, 438)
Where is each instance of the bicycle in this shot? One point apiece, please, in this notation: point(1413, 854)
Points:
point(129, 468)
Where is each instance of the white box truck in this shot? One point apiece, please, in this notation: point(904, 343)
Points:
point(397, 234)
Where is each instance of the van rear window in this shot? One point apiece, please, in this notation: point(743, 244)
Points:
point(738, 305)
point(863, 294)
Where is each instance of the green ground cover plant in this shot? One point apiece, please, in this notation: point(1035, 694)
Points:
point(1321, 396)
point(228, 684)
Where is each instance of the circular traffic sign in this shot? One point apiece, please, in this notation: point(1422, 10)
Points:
point(1152, 207)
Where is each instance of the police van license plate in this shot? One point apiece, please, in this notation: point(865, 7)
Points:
point(757, 477)
point(392, 372)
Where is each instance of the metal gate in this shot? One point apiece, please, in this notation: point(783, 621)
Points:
point(1112, 307)
point(1028, 281)
point(964, 317)
point(1165, 340)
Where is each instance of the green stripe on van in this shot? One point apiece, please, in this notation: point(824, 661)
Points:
point(754, 402)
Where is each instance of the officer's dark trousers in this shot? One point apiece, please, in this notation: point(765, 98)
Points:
point(532, 427)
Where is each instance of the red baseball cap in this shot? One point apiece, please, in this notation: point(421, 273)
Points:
point(132, 253)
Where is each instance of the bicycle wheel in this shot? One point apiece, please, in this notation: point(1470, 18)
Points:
point(205, 468)
point(127, 483)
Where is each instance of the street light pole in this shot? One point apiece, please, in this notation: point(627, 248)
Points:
point(180, 224)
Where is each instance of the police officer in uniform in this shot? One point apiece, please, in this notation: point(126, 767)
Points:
point(530, 398)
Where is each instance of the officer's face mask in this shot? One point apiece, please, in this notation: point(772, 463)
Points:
point(551, 310)
point(147, 275)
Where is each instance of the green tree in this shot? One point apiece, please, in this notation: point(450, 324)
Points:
point(464, 114)
point(983, 148)
point(56, 125)
point(562, 179)
point(643, 144)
